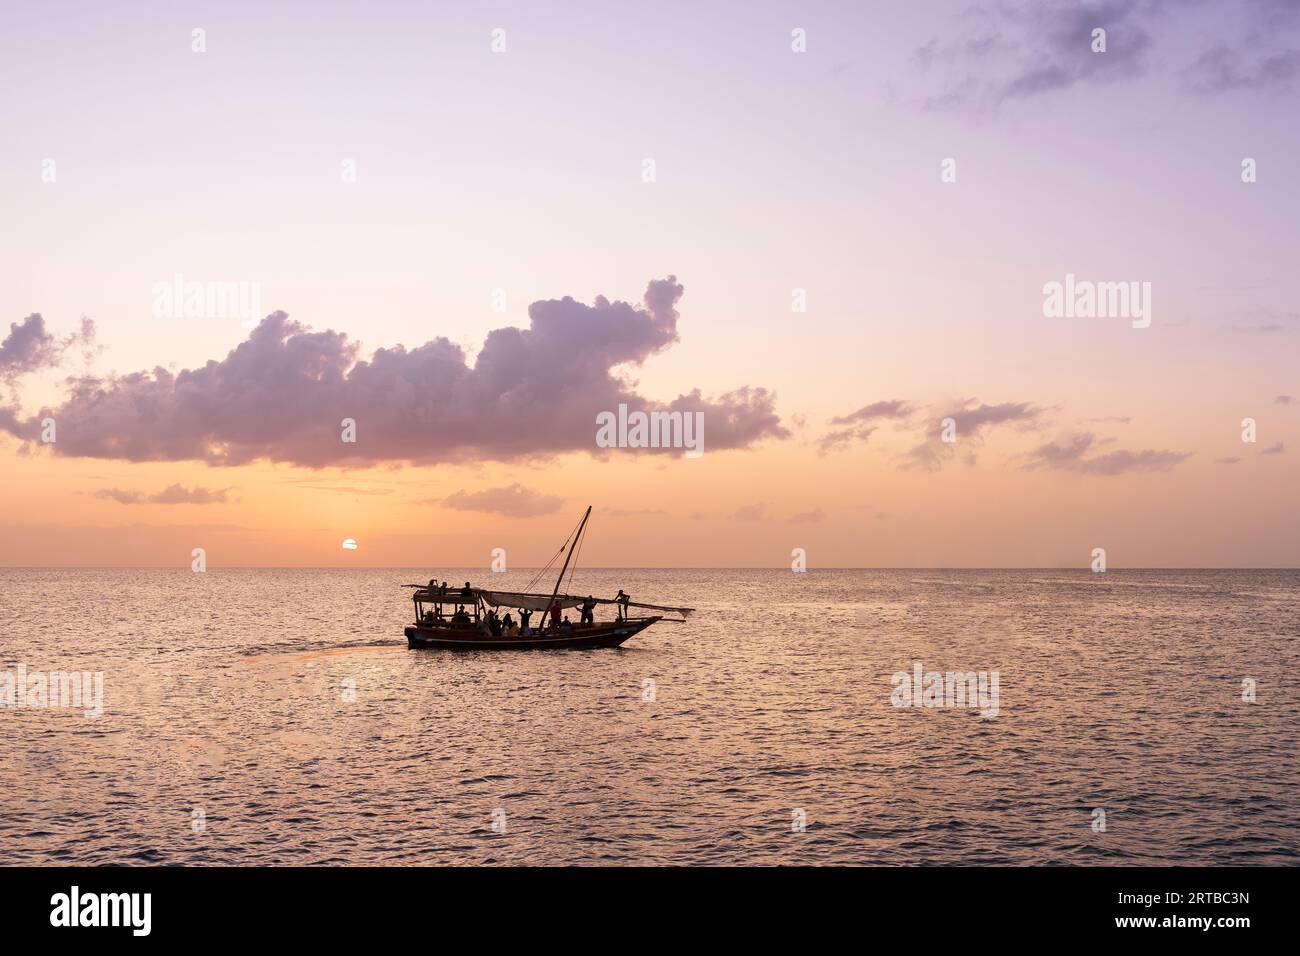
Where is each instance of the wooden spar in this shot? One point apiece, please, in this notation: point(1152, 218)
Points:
point(559, 581)
point(657, 607)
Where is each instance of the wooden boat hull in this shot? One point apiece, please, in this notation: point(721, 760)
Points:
point(604, 634)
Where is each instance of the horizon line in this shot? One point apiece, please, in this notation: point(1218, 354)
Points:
point(614, 567)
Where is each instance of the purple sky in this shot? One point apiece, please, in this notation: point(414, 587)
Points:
point(519, 175)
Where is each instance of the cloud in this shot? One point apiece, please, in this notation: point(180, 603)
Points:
point(1275, 449)
point(1266, 327)
point(513, 501)
point(861, 424)
point(1259, 55)
point(29, 346)
point(1283, 400)
point(350, 490)
point(631, 512)
point(1071, 456)
point(755, 512)
point(282, 394)
point(1122, 461)
point(970, 423)
point(1055, 455)
point(171, 495)
point(1226, 461)
point(808, 517)
point(894, 408)
point(1032, 49)
point(1223, 70)
point(1265, 320)
point(1022, 50)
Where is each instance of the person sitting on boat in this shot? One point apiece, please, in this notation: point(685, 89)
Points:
point(467, 591)
point(433, 585)
point(589, 610)
point(567, 626)
point(494, 624)
point(428, 617)
point(507, 622)
point(460, 617)
point(622, 600)
point(512, 630)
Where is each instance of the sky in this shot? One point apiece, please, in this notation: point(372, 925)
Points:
point(824, 228)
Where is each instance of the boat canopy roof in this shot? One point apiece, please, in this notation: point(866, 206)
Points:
point(522, 599)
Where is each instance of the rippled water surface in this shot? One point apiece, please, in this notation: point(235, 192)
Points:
point(276, 716)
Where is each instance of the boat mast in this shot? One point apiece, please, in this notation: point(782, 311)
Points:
point(560, 579)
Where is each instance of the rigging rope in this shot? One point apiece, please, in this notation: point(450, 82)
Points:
point(550, 563)
point(578, 554)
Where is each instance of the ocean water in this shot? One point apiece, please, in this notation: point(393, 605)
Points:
point(276, 717)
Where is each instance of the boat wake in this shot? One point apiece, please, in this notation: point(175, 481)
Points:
point(281, 654)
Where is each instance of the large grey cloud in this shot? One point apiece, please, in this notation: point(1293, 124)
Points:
point(282, 394)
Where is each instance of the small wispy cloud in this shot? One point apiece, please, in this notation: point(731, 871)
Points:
point(970, 422)
point(754, 512)
point(513, 501)
point(171, 495)
point(1014, 51)
point(1019, 51)
point(349, 490)
point(1123, 461)
point(859, 425)
point(1224, 70)
point(1073, 455)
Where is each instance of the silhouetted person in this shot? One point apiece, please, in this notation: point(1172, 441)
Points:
point(589, 610)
